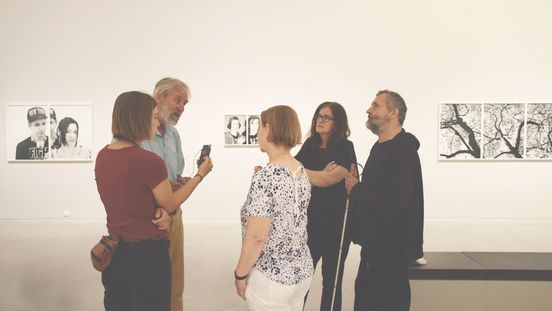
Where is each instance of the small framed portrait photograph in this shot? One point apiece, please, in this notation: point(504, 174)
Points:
point(235, 130)
point(253, 124)
point(241, 130)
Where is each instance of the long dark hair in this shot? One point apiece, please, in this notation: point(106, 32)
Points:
point(340, 129)
point(62, 128)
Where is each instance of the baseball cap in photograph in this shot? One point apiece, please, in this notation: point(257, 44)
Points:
point(36, 113)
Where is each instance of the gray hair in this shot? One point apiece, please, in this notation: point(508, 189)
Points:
point(395, 101)
point(166, 84)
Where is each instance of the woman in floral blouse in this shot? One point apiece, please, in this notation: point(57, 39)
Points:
point(275, 267)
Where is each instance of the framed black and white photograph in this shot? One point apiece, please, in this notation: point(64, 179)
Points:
point(48, 132)
point(253, 124)
point(539, 131)
point(495, 131)
point(241, 130)
point(235, 130)
point(460, 131)
point(503, 131)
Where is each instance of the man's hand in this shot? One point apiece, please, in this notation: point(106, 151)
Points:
point(162, 219)
point(240, 288)
point(350, 182)
point(257, 168)
point(354, 170)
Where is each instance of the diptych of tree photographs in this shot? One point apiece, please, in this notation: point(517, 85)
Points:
point(495, 131)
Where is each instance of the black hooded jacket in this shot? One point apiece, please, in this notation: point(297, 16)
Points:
point(387, 206)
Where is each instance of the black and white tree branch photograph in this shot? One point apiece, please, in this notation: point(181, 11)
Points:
point(460, 131)
point(539, 131)
point(503, 131)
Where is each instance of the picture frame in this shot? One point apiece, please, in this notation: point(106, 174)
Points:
point(48, 132)
point(495, 131)
point(240, 130)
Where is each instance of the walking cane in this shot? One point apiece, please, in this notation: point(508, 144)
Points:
point(340, 250)
point(355, 172)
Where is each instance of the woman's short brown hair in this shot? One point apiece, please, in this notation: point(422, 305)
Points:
point(285, 129)
point(132, 116)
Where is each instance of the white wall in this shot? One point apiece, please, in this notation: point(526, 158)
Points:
point(245, 55)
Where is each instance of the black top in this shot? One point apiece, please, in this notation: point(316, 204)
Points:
point(27, 150)
point(327, 203)
point(387, 206)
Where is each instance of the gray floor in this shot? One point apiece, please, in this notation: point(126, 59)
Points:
point(45, 265)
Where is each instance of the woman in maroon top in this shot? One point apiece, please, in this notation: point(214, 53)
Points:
point(137, 196)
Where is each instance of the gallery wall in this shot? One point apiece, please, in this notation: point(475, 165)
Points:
point(240, 57)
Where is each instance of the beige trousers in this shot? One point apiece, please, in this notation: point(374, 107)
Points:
point(176, 255)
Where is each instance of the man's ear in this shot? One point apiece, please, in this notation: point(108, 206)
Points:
point(159, 97)
point(395, 113)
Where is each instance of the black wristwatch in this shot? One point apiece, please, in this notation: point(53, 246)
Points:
point(240, 278)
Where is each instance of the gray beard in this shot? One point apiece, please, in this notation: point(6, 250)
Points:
point(165, 118)
point(373, 127)
point(170, 122)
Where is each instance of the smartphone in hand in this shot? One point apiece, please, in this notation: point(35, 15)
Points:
point(205, 151)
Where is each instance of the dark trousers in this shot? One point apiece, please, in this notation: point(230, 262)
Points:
point(138, 278)
point(324, 244)
point(382, 288)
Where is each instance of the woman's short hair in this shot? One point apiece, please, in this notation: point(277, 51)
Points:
point(340, 129)
point(62, 128)
point(229, 125)
point(132, 116)
point(285, 129)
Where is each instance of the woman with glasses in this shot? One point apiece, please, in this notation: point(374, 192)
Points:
point(328, 148)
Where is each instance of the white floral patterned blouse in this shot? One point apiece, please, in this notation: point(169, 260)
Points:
point(283, 196)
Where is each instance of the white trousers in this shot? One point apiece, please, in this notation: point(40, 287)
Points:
point(263, 294)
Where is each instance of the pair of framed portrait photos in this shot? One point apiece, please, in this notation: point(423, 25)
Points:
point(49, 132)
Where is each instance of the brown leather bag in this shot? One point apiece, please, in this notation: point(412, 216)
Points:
point(102, 253)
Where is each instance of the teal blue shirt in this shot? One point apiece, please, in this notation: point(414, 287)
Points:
point(169, 148)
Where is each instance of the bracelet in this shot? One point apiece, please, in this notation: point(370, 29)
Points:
point(200, 177)
point(240, 278)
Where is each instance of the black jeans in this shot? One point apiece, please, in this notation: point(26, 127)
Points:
point(382, 288)
point(324, 243)
point(138, 278)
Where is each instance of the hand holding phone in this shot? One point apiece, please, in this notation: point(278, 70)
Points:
point(205, 151)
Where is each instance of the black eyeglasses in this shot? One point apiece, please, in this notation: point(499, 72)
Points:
point(324, 118)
